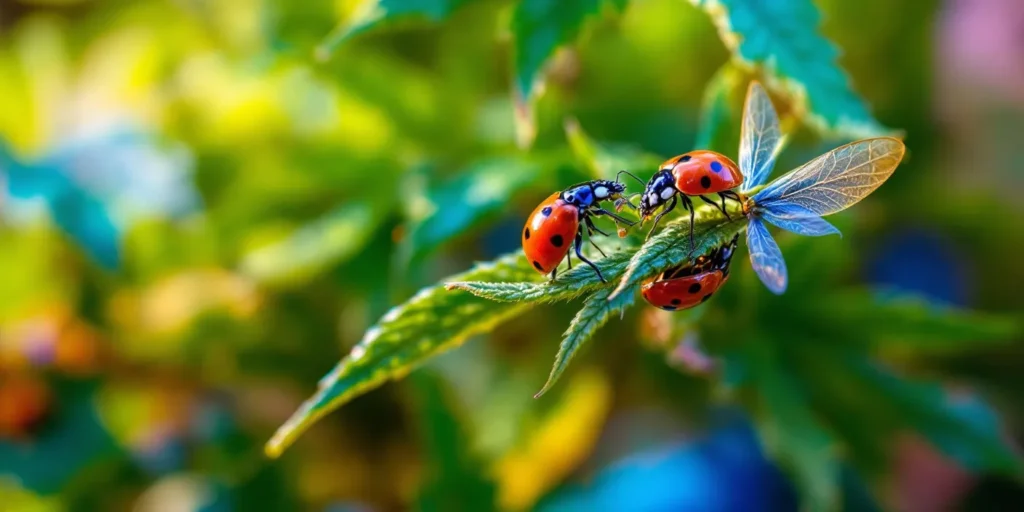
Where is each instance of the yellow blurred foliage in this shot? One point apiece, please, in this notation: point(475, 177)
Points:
point(560, 443)
point(163, 310)
point(17, 498)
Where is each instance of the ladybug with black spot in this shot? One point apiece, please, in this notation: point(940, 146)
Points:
point(559, 220)
point(697, 174)
point(686, 286)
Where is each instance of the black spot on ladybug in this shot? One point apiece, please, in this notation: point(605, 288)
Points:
point(527, 233)
point(546, 211)
point(695, 287)
point(557, 241)
point(676, 302)
point(537, 266)
point(705, 182)
point(669, 308)
point(716, 166)
point(706, 297)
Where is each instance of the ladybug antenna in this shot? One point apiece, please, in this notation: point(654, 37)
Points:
point(619, 175)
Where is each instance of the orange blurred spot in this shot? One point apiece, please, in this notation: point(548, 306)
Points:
point(24, 403)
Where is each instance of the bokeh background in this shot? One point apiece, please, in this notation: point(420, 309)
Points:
point(199, 218)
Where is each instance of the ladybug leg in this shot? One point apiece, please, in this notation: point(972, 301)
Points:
point(623, 201)
point(579, 254)
point(731, 195)
point(591, 227)
point(602, 211)
point(668, 207)
point(716, 205)
point(688, 204)
point(568, 259)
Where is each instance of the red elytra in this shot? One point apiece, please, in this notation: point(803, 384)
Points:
point(686, 286)
point(685, 292)
point(703, 172)
point(549, 232)
point(557, 224)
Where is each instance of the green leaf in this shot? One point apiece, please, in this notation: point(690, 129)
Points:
point(375, 13)
point(330, 240)
point(596, 310)
point(671, 246)
point(603, 160)
point(869, 402)
point(457, 477)
point(569, 284)
point(479, 193)
point(914, 324)
point(540, 27)
point(720, 118)
point(782, 37)
point(431, 322)
point(974, 440)
point(791, 431)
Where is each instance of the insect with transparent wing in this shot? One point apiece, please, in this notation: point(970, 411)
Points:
point(798, 200)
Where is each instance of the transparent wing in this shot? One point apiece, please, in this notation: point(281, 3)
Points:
point(807, 226)
point(836, 180)
point(797, 219)
point(765, 257)
point(760, 137)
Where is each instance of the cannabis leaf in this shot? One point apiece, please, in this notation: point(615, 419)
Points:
point(595, 313)
point(431, 322)
point(783, 38)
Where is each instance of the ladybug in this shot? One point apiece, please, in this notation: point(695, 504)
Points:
point(684, 287)
point(696, 173)
point(558, 221)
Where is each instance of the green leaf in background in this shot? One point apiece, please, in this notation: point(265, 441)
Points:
point(431, 322)
point(605, 161)
point(783, 37)
point(480, 192)
point(539, 28)
point(373, 13)
point(973, 440)
point(866, 401)
point(330, 240)
point(913, 324)
point(458, 478)
point(595, 313)
point(790, 430)
point(721, 110)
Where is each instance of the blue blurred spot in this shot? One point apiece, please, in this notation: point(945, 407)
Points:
point(716, 166)
point(504, 237)
point(724, 472)
point(921, 262)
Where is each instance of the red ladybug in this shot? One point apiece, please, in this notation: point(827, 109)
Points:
point(692, 174)
point(558, 223)
point(684, 287)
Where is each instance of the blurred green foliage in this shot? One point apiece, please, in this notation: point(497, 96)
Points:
point(208, 204)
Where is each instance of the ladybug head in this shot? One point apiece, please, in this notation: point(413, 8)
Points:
point(658, 190)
